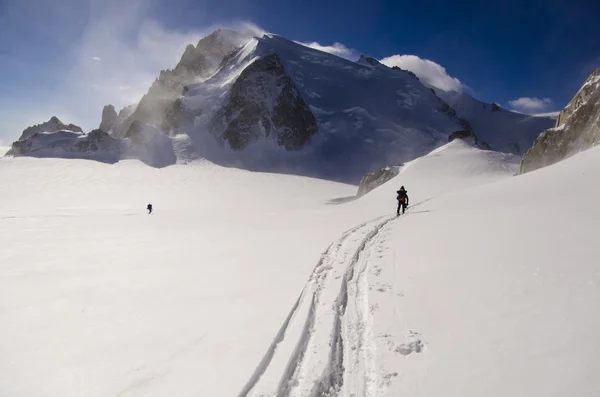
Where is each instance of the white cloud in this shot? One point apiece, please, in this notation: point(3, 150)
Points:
point(96, 58)
point(528, 104)
point(336, 49)
point(427, 71)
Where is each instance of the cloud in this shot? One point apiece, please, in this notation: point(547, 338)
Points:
point(529, 105)
point(427, 71)
point(336, 49)
point(116, 54)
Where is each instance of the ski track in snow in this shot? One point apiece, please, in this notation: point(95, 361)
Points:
point(325, 346)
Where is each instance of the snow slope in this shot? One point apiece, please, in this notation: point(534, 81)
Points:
point(488, 286)
point(498, 287)
point(484, 291)
point(502, 129)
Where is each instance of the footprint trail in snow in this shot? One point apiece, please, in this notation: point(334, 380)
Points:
point(326, 345)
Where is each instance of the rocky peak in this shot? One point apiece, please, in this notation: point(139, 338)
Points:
point(581, 97)
point(409, 72)
point(577, 128)
point(196, 64)
point(109, 118)
point(251, 114)
point(368, 61)
point(52, 125)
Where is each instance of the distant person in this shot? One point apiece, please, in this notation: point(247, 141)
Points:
point(149, 208)
point(402, 200)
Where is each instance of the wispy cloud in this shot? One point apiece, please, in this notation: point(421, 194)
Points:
point(336, 49)
point(134, 49)
point(114, 59)
point(427, 71)
point(530, 104)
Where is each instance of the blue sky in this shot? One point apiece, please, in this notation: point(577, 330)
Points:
point(70, 57)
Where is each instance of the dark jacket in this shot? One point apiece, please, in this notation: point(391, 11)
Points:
point(402, 196)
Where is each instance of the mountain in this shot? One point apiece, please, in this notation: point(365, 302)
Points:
point(52, 125)
point(501, 129)
point(270, 104)
point(143, 142)
point(577, 128)
point(276, 105)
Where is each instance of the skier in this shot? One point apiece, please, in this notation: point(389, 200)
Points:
point(402, 200)
point(149, 208)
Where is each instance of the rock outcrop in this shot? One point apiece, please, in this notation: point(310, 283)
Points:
point(264, 102)
point(577, 128)
point(196, 64)
point(462, 134)
point(109, 118)
point(52, 125)
point(375, 179)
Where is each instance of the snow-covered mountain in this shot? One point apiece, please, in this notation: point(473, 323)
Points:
point(577, 128)
point(275, 104)
point(143, 142)
point(52, 125)
point(501, 129)
point(263, 102)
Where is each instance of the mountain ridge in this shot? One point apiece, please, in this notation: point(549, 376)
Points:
point(270, 104)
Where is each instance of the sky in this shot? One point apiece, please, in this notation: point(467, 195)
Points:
point(69, 58)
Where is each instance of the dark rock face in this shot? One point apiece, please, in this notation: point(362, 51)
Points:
point(264, 102)
point(409, 72)
point(52, 125)
point(462, 134)
point(577, 128)
point(369, 60)
point(109, 118)
point(96, 140)
point(375, 179)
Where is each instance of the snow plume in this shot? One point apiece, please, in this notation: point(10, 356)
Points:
point(118, 51)
point(336, 49)
point(528, 105)
point(552, 115)
point(427, 71)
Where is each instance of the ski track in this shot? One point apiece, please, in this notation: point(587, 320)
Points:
point(325, 346)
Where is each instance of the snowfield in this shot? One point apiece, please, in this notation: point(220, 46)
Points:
point(252, 284)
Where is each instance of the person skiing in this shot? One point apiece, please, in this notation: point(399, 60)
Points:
point(149, 208)
point(402, 200)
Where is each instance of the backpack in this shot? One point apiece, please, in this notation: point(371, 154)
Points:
point(401, 195)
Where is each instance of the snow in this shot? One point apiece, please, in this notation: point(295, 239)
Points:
point(502, 129)
point(244, 283)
